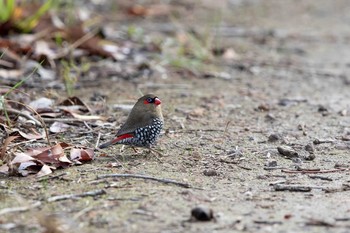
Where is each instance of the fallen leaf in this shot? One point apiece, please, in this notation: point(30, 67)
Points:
point(43, 49)
point(71, 101)
point(45, 170)
point(29, 136)
point(54, 155)
point(59, 127)
point(82, 155)
point(21, 158)
point(230, 54)
point(7, 141)
point(27, 168)
point(197, 112)
point(4, 169)
point(41, 103)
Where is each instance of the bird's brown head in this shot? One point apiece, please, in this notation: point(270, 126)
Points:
point(148, 105)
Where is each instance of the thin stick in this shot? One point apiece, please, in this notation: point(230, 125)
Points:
point(292, 188)
point(53, 177)
point(166, 181)
point(76, 44)
point(98, 140)
point(315, 171)
point(69, 120)
point(75, 196)
point(19, 209)
point(320, 177)
point(23, 114)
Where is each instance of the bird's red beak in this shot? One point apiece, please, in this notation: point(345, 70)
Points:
point(157, 101)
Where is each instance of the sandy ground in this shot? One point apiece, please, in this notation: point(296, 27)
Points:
point(288, 87)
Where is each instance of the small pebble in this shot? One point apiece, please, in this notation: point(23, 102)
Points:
point(202, 213)
point(271, 163)
point(274, 137)
point(310, 148)
point(210, 172)
point(287, 152)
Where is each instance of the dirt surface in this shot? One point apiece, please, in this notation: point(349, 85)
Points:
point(287, 85)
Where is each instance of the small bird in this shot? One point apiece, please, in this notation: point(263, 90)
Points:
point(143, 125)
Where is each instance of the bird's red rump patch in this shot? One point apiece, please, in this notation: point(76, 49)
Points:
point(127, 135)
point(121, 137)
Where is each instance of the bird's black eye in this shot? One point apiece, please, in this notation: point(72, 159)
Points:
point(149, 100)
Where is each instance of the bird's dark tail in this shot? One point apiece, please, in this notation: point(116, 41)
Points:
point(105, 145)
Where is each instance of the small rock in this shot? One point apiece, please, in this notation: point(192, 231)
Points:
point(310, 148)
point(287, 152)
point(270, 118)
point(202, 213)
point(264, 107)
point(274, 137)
point(210, 172)
point(297, 160)
point(343, 112)
point(322, 109)
point(271, 163)
point(310, 157)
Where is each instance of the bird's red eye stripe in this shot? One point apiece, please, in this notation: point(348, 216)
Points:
point(145, 102)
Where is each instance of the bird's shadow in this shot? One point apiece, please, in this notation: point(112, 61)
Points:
point(132, 155)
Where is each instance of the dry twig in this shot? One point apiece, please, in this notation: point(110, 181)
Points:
point(314, 171)
point(292, 188)
point(166, 181)
point(52, 177)
point(19, 209)
point(75, 196)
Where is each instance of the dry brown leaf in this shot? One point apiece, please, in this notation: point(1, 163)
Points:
point(54, 155)
point(82, 155)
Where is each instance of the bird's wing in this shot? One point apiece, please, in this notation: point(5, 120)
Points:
point(133, 123)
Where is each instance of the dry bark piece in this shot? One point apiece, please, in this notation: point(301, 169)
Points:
point(202, 213)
